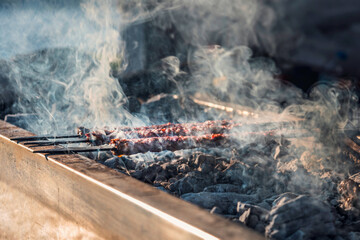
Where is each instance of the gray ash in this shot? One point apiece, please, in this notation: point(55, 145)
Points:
point(267, 185)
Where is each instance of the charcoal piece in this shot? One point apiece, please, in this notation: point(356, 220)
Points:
point(350, 195)
point(355, 177)
point(225, 201)
point(220, 167)
point(192, 182)
point(205, 158)
point(182, 186)
point(244, 218)
point(223, 187)
point(205, 168)
point(260, 227)
point(309, 215)
point(264, 205)
point(298, 235)
point(112, 162)
point(260, 212)
point(183, 168)
point(162, 176)
point(279, 151)
point(169, 170)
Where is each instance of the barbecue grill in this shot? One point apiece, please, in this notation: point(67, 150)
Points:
point(112, 204)
point(115, 205)
point(163, 120)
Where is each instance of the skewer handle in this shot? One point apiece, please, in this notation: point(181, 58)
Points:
point(54, 142)
point(74, 150)
point(33, 138)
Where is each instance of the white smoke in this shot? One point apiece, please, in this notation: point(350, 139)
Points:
point(60, 55)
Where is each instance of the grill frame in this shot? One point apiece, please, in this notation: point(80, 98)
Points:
point(111, 204)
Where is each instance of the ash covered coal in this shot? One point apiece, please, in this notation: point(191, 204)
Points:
point(265, 185)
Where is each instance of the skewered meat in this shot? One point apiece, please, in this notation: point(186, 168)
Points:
point(100, 137)
point(82, 131)
point(172, 143)
point(169, 125)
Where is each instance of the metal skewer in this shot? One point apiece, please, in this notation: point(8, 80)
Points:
point(74, 150)
point(54, 142)
point(32, 138)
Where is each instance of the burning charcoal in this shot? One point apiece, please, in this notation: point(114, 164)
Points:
point(136, 174)
point(225, 201)
point(244, 218)
point(235, 171)
point(303, 213)
point(149, 174)
point(205, 163)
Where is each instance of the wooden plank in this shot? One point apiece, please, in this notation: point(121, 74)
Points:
point(112, 204)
